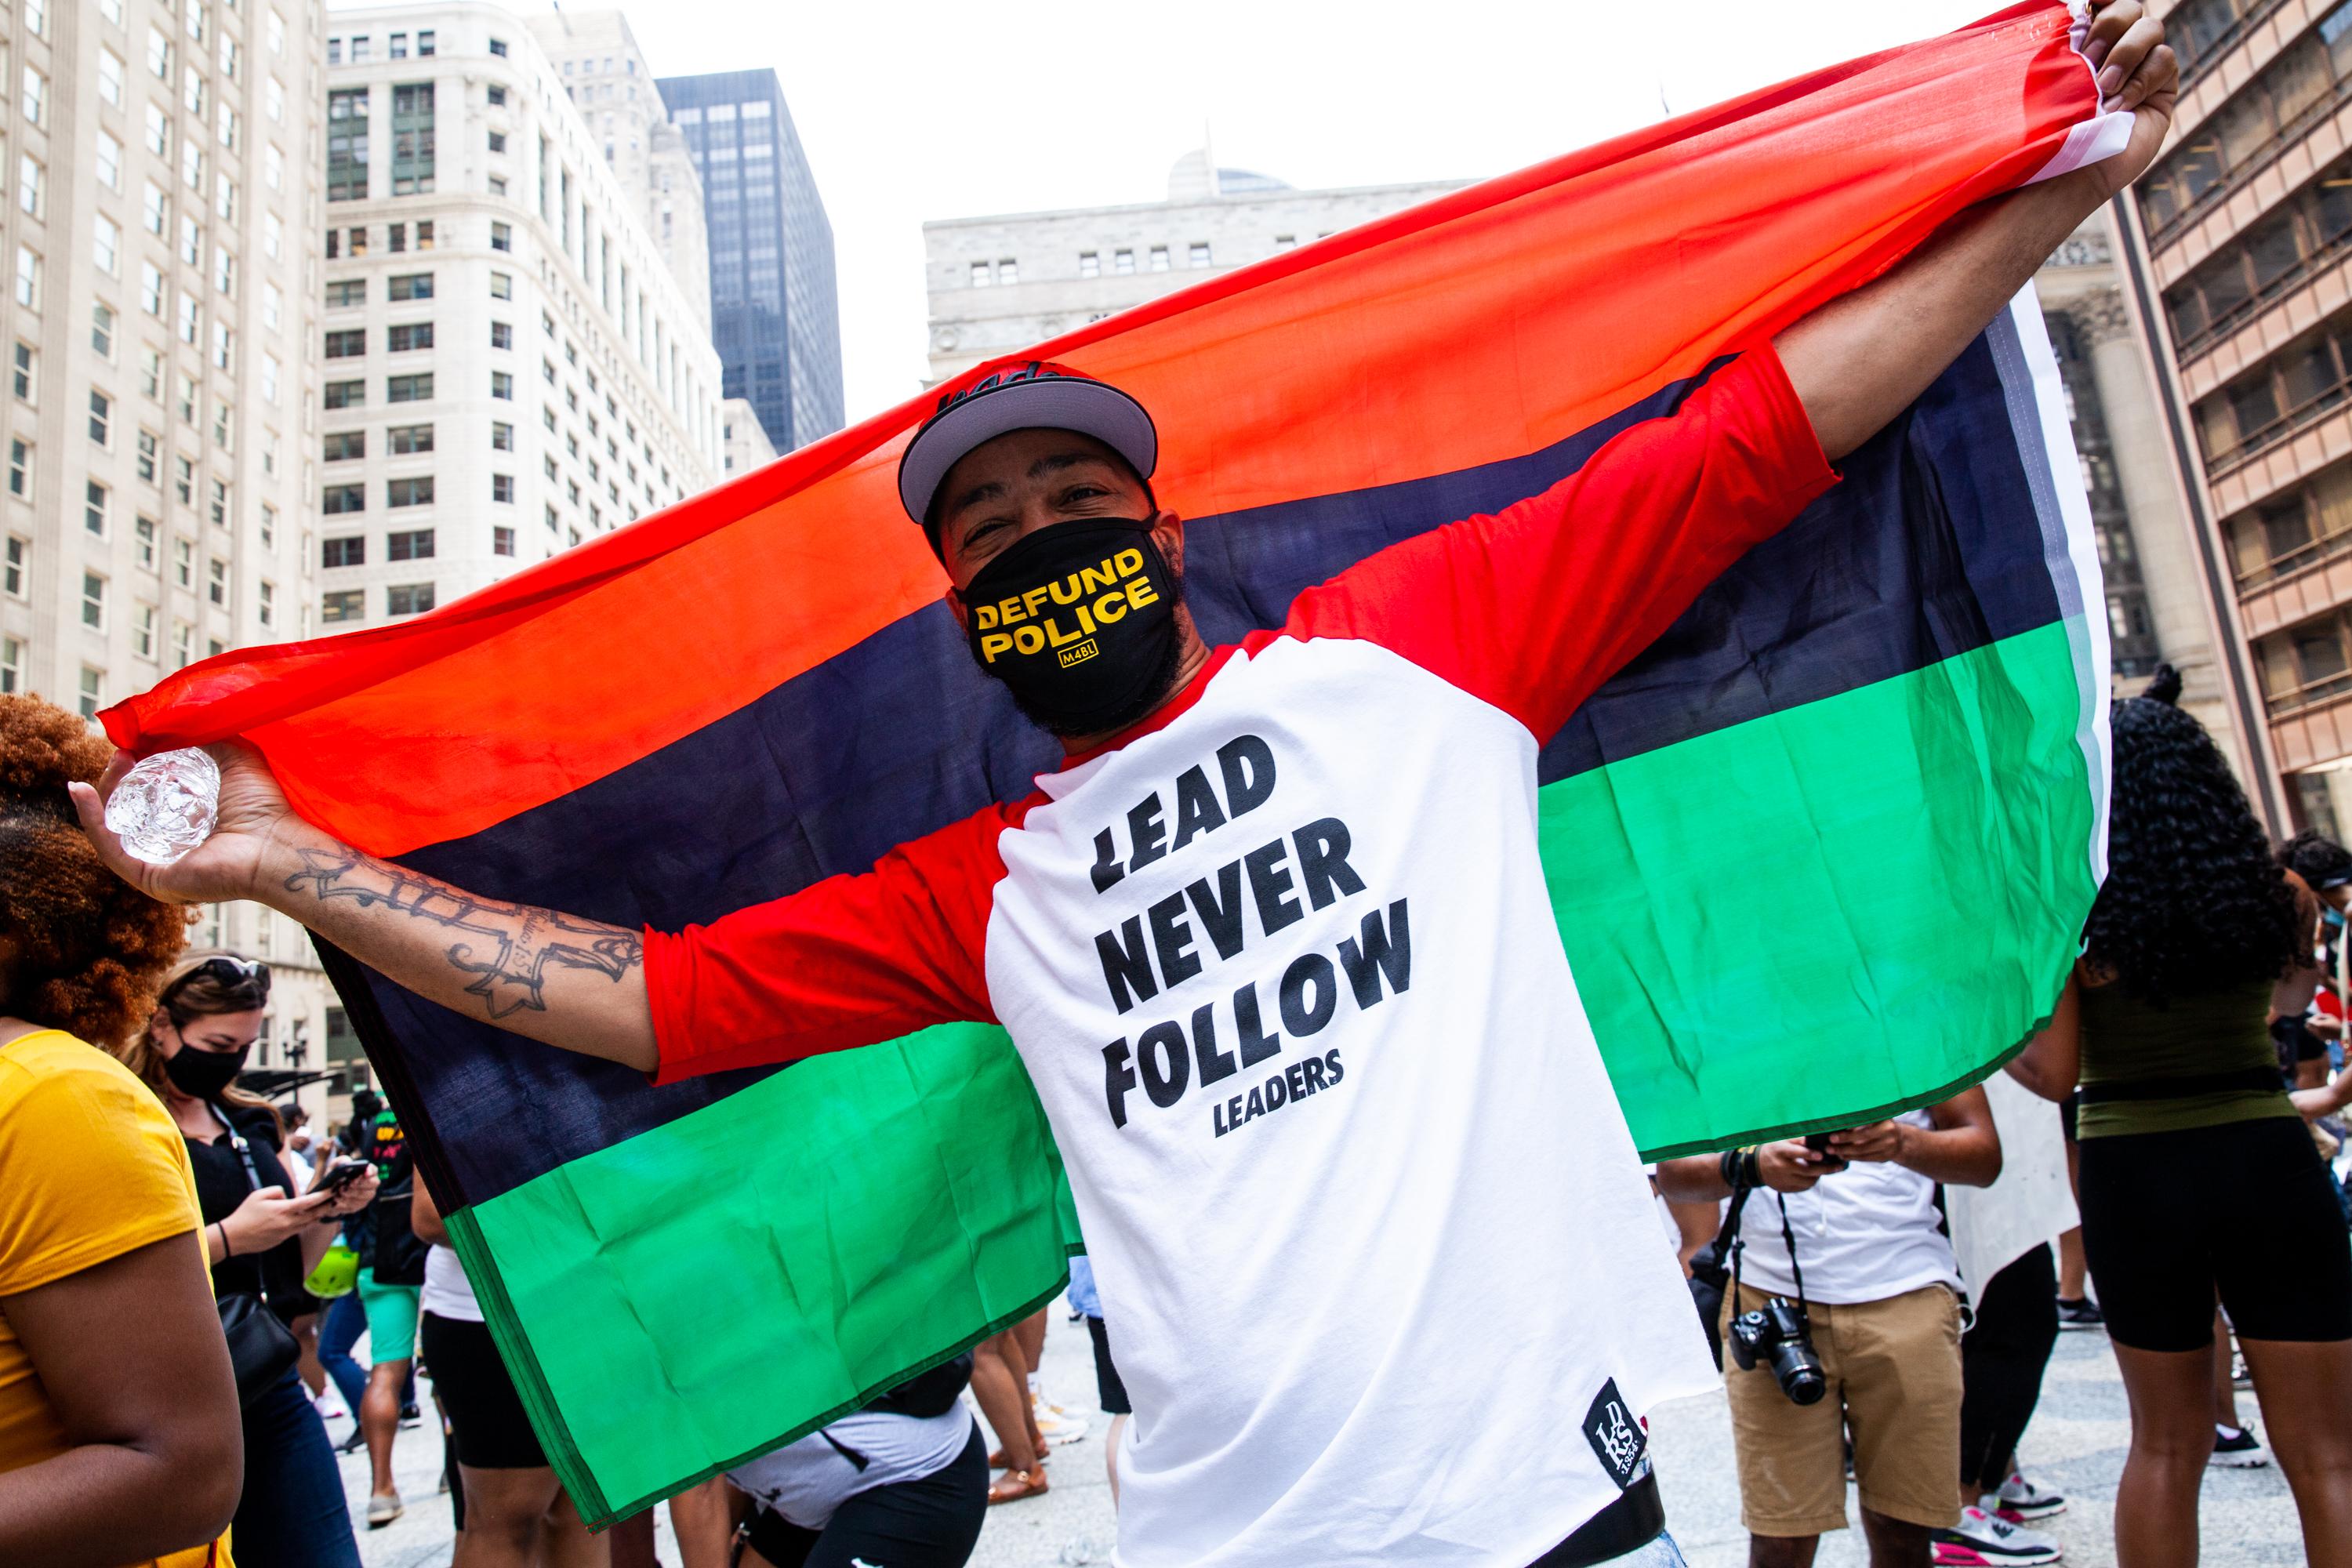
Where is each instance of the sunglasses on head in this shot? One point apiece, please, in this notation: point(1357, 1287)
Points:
point(247, 973)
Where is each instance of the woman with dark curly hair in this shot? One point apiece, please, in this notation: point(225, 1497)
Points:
point(2198, 1178)
point(119, 1440)
point(261, 1237)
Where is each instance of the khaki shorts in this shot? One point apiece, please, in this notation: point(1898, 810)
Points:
point(1894, 1369)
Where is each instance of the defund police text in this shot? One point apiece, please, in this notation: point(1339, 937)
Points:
point(1062, 616)
point(1211, 921)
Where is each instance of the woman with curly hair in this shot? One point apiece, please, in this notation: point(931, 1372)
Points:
point(119, 1441)
point(2198, 1178)
point(261, 1239)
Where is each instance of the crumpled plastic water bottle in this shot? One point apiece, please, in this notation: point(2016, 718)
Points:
point(165, 805)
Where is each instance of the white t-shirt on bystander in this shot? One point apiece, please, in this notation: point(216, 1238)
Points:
point(448, 1292)
point(1867, 1232)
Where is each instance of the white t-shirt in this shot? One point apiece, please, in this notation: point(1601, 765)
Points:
point(448, 1292)
point(1867, 1232)
point(805, 1481)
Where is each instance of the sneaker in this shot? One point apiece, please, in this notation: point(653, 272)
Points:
point(2240, 1450)
point(1980, 1540)
point(352, 1443)
point(2021, 1500)
point(1055, 1424)
point(383, 1511)
point(409, 1416)
point(2239, 1376)
point(2080, 1314)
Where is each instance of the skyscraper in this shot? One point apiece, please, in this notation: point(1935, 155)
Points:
point(161, 385)
point(2235, 246)
point(773, 308)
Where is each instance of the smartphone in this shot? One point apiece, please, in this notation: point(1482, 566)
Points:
point(1819, 1143)
point(342, 1174)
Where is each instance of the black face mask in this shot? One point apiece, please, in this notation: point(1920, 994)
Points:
point(1078, 620)
point(201, 1075)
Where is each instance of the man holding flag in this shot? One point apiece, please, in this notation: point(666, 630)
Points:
point(1274, 942)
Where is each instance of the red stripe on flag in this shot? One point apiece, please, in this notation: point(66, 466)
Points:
point(1484, 325)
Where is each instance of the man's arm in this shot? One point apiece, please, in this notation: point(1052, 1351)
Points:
point(2051, 1065)
point(1962, 1149)
point(1860, 360)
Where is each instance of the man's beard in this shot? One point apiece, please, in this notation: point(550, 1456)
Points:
point(1150, 695)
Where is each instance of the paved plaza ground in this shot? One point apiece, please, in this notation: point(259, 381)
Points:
point(2076, 1446)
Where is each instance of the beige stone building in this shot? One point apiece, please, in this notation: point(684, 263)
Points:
point(2236, 254)
point(509, 369)
point(162, 386)
point(998, 284)
point(606, 77)
point(742, 437)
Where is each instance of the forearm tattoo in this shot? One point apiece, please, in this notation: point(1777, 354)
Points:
point(506, 948)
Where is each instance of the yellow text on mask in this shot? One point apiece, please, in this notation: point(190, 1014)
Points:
point(1055, 614)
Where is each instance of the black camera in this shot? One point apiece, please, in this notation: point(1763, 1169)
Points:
point(1776, 1332)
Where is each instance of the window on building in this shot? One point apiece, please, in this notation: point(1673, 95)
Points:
point(93, 692)
point(501, 335)
point(409, 440)
point(400, 45)
point(347, 291)
point(155, 210)
point(502, 541)
point(345, 394)
point(408, 336)
point(348, 342)
point(217, 581)
point(217, 501)
point(17, 567)
point(502, 488)
point(101, 418)
point(109, 163)
point(96, 505)
point(408, 388)
point(36, 100)
point(20, 467)
point(1090, 264)
point(498, 141)
point(184, 563)
point(150, 457)
point(101, 331)
point(184, 480)
point(340, 499)
point(408, 492)
point(345, 446)
point(1285, 241)
point(342, 604)
point(1159, 258)
point(412, 139)
point(265, 603)
point(2251, 124)
point(21, 360)
point(501, 237)
point(501, 437)
point(268, 526)
point(499, 48)
point(408, 598)
point(94, 600)
point(1122, 262)
point(348, 550)
point(498, 97)
point(424, 43)
point(145, 532)
point(150, 373)
point(347, 145)
point(12, 667)
point(502, 285)
point(1199, 256)
point(409, 286)
point(110, 75)
point(981, 275)
point(1008, 270)
point(29, 278)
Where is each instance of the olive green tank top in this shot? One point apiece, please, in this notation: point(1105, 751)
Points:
point(2127, 1040)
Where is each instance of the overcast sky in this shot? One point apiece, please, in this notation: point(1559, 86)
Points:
point(917, 109)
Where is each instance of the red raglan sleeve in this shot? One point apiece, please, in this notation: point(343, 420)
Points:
point(1532, 608)
point(850, 961)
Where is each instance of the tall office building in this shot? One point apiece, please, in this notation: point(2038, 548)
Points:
point(998, 284)
point(2236, 249)
point(772, 307)
point(606, 77)
point(509, 368)
point(161, 335)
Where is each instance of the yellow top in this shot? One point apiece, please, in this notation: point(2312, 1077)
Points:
point(91, 1168)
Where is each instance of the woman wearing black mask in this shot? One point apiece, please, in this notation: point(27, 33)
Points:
point(261, 1240)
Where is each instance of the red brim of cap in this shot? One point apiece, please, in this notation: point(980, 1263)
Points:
point(1048, 403)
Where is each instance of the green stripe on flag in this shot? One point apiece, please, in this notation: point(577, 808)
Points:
point(1861, 904)
point(855, 1218)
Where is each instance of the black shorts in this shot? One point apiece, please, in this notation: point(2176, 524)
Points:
point(2244, 1209)
point(488, 1428)
point(932, 1522)
point(1108, 1387)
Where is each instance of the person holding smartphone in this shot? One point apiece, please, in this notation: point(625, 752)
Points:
point(261, 1237)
